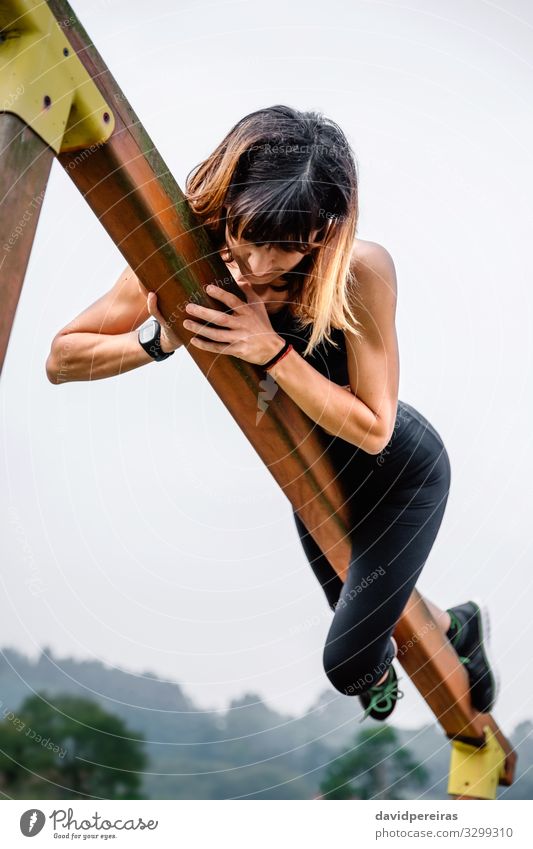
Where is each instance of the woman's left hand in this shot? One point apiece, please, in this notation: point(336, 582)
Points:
point(245, 333)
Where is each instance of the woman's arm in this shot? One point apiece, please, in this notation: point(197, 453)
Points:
point(102, 341)
point(366, 416)
point(338, 412)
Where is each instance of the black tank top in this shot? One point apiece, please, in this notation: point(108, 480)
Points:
point(330, 361)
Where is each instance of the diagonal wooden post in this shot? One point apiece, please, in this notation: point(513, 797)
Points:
point(130, 189)
point(26, 163)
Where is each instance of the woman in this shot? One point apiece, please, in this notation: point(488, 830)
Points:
point(280, 197)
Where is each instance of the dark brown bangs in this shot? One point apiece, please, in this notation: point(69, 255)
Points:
point(279, 214)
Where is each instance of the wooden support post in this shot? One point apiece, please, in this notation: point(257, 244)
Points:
point(48, 103)
point(130, 189)
point(26, 163)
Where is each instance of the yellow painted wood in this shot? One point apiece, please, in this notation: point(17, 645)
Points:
point(43, 82)
point(476, 771)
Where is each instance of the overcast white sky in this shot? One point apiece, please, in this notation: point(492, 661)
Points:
point(210, 587)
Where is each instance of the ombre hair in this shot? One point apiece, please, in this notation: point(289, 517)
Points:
point(277, 176)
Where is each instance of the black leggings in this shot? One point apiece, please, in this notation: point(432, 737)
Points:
point(397, 500)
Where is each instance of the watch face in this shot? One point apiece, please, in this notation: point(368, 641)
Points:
point(148, 332)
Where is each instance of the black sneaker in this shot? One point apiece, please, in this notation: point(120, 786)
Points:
point(380, 700)
point(469, 634)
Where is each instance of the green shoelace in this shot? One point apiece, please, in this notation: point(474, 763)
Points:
point(383, 696)
point(455, 623)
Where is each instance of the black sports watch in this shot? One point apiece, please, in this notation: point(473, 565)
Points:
point(149, 336)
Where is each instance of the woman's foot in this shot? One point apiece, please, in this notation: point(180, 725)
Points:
point(380, 700)
point(469, 634)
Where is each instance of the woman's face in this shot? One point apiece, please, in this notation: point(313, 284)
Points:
point(262, 266)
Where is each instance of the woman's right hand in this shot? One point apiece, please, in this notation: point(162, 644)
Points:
point(169, 341)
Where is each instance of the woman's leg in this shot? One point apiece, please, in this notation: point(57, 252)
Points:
point(389, 549)
point(332, 584)
point(325, 573)
point(399, 511)
point(364, 570)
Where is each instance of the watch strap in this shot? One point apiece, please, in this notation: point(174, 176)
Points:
point(153, 346)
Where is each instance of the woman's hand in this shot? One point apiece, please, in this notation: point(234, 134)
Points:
point(245, 333)
point(168, 341)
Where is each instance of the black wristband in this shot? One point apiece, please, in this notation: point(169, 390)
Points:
point(277, 356)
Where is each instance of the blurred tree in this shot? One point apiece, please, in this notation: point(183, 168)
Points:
point(376, 767)
point(67, 747)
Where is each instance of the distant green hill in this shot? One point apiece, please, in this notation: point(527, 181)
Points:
point(247, 751)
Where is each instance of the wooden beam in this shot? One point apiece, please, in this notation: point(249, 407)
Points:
point(26, 163)
point(436, 671)
point(131, 190)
